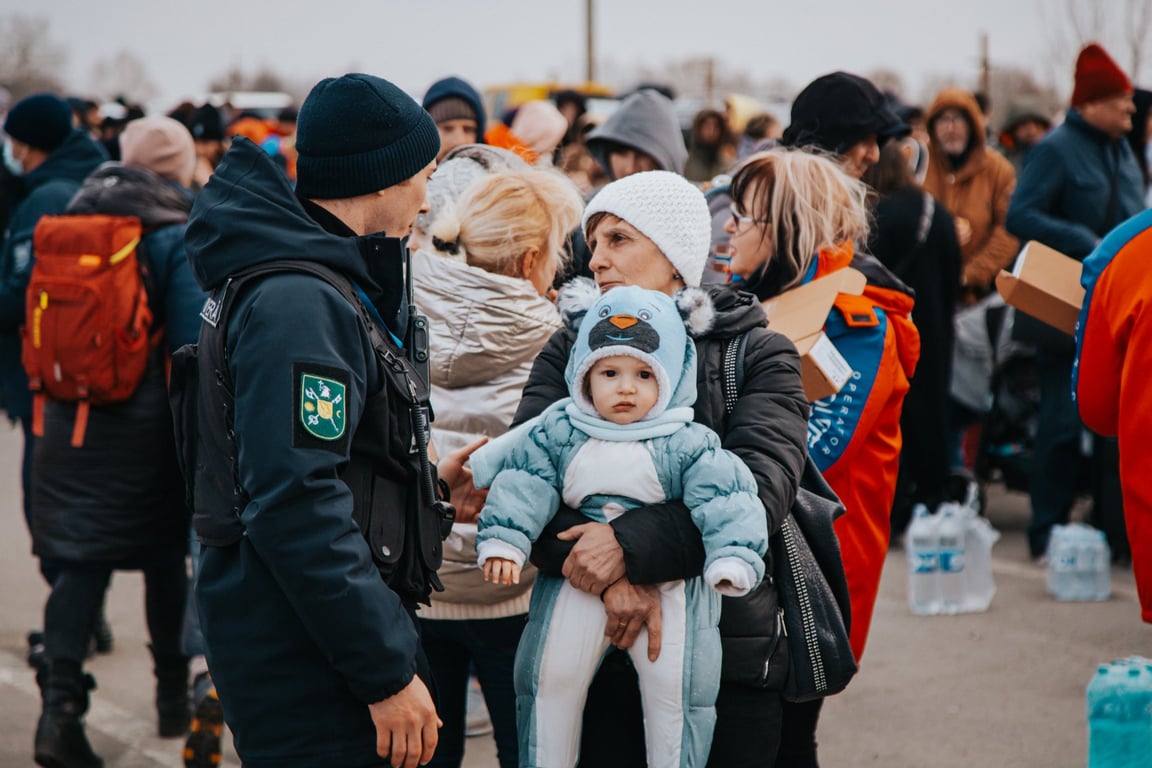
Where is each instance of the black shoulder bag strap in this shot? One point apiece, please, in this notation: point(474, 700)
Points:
point(807, 570)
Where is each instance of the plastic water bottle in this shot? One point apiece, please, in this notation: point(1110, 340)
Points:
point(1119, 708)
point(950, 536)
point(1102, 570)
point(1079, 563)
point(920, 544)
point(979, 585)
point(1062, 562)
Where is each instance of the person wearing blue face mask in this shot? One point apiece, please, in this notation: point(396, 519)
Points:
point(52, 157)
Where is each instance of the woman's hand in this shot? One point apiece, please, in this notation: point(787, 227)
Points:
point(596, 560)
point(629, 609)
point(466, 497)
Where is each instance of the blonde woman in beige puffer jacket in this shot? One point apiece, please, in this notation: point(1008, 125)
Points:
point(485, 283)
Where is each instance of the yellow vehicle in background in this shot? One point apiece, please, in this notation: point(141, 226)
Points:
point(498, 99)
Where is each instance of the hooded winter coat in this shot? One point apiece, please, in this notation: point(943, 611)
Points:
point(979, 191)
point(1114, 341)
point(854, 436)
point(49, 188)
point(460, 89)
point(302, 632)
point(646, 121)
point(120, 498)
point(486, 330)
point(572, 453)
point(767, 430)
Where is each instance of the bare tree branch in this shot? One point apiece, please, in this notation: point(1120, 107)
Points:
point(30, 60)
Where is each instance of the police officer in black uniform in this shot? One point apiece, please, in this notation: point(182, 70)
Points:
point(301, 424)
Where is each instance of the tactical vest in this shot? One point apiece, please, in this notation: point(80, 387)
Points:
point(393, 486)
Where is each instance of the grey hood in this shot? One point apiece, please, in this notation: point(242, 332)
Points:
point(646, 122)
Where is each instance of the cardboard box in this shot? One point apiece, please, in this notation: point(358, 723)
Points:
point(1044, 284)
point(799, 314)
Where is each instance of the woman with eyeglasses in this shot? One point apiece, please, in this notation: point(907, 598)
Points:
point(797, 217)
point(652, 230)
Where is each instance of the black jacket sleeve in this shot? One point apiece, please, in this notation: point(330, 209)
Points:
point(546, 382)
point(767, 429)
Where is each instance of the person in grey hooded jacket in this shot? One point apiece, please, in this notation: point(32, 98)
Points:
point(642, 135)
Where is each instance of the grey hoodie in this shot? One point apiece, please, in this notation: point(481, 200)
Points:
point(646, 122)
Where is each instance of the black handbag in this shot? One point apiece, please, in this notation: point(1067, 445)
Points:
point(808, 573)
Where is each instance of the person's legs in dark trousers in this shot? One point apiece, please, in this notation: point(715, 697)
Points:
point(1107, 498)
point(1056, 459)
point(492, 645)
point(748, 727)
point(448, 659)
point(613, 734)
point(798, 735)
point(69, 614)
point(489, 646)
point(72, 609)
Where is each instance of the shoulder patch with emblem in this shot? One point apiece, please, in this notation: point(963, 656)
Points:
point(321, 407)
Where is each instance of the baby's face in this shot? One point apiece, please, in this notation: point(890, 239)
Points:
point(622, 388)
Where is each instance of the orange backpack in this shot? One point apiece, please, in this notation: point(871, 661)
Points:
point(87, 321)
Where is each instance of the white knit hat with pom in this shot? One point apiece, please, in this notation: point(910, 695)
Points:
point(668, 210)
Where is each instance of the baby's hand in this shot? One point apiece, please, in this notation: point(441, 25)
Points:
point(500, 571)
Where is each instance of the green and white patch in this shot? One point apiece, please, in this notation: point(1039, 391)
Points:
point(322, 407)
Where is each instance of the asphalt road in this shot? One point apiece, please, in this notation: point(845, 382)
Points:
point(1003, 688)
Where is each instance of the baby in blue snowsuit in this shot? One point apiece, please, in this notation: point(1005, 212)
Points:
point(625, 438)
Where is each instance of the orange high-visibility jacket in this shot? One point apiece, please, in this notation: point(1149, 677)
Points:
point(854, 435)
point(1114, 342)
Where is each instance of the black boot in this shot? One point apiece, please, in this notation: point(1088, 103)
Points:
point(172, 704)
point(60, 738)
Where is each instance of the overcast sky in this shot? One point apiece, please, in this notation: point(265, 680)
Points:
point(413, 42)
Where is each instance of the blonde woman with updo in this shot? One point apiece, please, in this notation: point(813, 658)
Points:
point(484, 279)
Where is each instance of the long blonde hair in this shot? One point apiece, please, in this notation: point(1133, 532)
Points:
point(501, 216)
point(810, 202)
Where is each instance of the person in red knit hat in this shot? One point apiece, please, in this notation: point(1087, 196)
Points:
point(1077, 183)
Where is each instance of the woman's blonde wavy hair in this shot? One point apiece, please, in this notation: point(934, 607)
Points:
point(810, 204)
point(501, 216)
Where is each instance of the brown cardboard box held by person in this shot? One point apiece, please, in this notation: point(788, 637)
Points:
point(1045, 284)
point(799, 314)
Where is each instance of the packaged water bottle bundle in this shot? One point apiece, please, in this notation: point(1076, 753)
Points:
point(950, 559)
point(1079, 563)
point(1119, 704)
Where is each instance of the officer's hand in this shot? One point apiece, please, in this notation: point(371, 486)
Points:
point(406, 726)
point(466, 497)
point(631, 607)
point(596, 560)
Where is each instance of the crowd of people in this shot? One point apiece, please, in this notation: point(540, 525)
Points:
point(435, 401)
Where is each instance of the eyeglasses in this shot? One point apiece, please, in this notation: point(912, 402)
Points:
point(740, 220)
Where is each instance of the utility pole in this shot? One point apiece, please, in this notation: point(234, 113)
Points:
point(985, 65)
point(589, 41)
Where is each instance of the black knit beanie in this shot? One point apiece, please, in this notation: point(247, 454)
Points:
point(838, 110)
point(358, 134)
point(41, 120)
